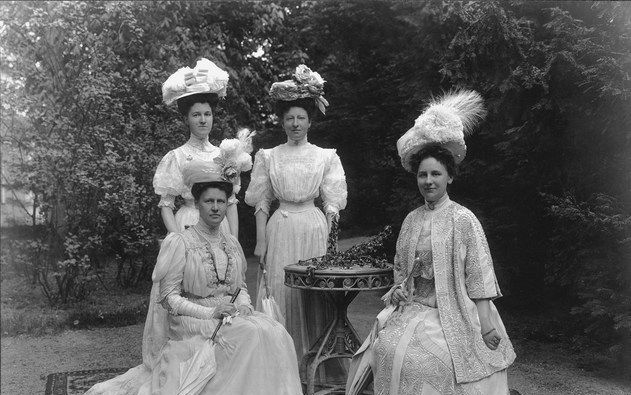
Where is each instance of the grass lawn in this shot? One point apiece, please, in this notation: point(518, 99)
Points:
point(25, 309)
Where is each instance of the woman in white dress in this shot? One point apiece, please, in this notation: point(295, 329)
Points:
point(441, 333)
point(197, 92)
point(296, 173)
point(202, 269)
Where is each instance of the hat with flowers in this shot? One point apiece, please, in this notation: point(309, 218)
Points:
point(233, 159)
point(206, 77)
point(304, 83)
point(446, 122)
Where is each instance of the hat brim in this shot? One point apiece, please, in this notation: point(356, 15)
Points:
point(458, 151)
point(174, 99)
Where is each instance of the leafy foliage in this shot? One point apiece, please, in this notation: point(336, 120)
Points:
point(547, 172)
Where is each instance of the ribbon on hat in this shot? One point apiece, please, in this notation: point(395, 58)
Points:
point(206, 77)
point(322, 104)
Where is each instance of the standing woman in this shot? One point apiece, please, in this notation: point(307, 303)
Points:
point(441, 333)
point(197, 92)
point(296, 173)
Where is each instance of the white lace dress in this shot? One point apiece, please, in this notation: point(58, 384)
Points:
point(251, 355)
point(296, 175)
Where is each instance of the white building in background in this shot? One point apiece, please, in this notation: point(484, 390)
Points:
point(16, 207)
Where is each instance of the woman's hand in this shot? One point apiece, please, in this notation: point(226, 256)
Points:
point(490, 335)
point(260, 250)
point(244, 310)
point(398, 296)
point(224, 310)
point(491, 338)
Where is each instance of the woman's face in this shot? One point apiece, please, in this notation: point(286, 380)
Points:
point(296, 123)
point(432, 179)
point(212, 205)
point(200, 120)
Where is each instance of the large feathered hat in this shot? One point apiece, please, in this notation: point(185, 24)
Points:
point(304, 83)
point(206, 77)
point(445, 122)
point(198, 171)
point(233, 159)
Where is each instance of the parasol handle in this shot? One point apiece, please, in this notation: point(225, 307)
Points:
point(267, 292)
point(232, 299)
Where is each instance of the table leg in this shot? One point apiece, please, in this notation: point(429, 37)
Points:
point(340, 340)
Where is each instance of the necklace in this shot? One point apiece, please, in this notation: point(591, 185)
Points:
point(209, 240)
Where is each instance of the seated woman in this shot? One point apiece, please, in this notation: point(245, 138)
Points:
point(203, 267)
point(441, 334)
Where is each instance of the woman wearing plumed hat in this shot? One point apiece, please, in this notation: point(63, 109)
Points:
point(440, 332)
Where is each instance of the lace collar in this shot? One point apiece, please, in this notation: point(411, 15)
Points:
point(442, 202)
point(200, 145)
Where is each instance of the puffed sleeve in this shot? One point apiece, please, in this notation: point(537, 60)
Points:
point(169, 271)
point(333, 188)
point(259, 193)
point(172, 252)
point(167, 181)
point(480, 280)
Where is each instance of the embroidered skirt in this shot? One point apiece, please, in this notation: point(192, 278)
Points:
point(412, 358)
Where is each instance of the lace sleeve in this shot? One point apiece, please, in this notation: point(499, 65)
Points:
point(168, 177)
point(480, 280)
point(333, 188)
point(171, 261)
point(167, 201)
point(259, 193)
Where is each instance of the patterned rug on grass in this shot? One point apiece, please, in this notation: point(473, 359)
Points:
point(77, 383)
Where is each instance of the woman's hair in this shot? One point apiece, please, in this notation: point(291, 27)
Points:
point(200, 187)
point(308, 104)
point(185, 103)
point(438, 152)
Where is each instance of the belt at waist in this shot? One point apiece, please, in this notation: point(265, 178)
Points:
point(209, 300)
point(294, 207)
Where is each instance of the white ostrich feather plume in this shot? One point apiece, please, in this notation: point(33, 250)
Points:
point(466, 104)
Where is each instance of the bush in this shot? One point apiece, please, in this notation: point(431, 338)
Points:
point(590, 252)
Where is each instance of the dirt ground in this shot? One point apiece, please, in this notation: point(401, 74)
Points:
point(26, 361)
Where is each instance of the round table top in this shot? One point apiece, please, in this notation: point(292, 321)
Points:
point(360, 278)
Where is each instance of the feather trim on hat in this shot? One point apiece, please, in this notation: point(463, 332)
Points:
point(444, 122)
point(467, 105)
point(234, 156)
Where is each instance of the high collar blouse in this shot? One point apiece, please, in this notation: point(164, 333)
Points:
point(297, 174)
